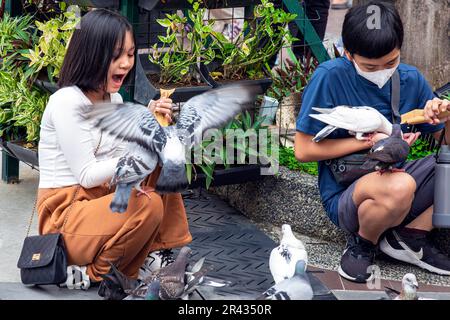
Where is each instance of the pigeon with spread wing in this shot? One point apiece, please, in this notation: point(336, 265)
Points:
point(357, 120)
point(150, 144)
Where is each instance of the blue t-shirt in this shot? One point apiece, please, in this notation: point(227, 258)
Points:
point(335, 83)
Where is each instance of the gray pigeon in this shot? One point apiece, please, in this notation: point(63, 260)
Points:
point(296, 288)
point(388, 154)
point(153, 290)
point(150, 144)
point(172, 277)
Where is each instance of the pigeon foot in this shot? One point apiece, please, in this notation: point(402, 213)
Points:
point(145, 191)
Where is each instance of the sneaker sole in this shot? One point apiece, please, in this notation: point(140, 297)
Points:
point(409, 257)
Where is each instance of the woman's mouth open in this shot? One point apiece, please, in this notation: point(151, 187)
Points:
point(118, 79)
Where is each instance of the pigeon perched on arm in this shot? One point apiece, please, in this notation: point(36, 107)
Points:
point(283, 258)
point(388, 154)
point(297, 287)
point(357, 120)
point(150, 144)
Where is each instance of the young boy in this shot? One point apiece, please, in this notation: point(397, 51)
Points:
point(392, 210)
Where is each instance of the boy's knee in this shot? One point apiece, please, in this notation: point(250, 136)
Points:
point(400, 190)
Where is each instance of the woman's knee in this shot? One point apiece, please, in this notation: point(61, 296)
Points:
point(152, 207)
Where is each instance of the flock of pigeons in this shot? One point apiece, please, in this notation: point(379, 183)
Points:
point(178, 280)
point(150, 144)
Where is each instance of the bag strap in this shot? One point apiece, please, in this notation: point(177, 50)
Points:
point(71, 202)
point(395, 97)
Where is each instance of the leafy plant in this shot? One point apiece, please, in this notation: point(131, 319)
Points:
point(16, 36)
point(176, 59)
point(258, 41)
point(241, 149)
point(51, 47)
point(20, 107)
point(291, 76)
point(287, 159)
point(420, 149)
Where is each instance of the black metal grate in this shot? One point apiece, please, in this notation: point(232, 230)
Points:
point(236, 249)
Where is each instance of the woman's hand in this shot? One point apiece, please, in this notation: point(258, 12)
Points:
point(435, 107)
point(163, 106)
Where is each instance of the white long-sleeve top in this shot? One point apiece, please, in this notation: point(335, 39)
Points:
point(67, 144)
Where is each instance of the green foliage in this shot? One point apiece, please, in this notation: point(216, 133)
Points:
point(291, 76)
point(287, 159)
point(258, 41)
point(420, 149)
point(20, 107)
point(50, 49)
point(241, 148)
point(176, 59)
point(16, 36)
point(245, 56)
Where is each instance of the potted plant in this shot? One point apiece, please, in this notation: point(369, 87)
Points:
point(175, 63)
point(244, 57)
point(21, 109)
point(216, 168)
point(46, 57)
point(186, 4)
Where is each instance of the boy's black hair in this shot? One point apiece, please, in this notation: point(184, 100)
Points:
point(360, 37)
point(92, 49)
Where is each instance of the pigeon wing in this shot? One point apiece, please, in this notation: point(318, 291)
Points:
point(389, 151)
point(213, 109)
point(130, 122)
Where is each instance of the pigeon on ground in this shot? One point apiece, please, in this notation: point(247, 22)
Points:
point(150, 144)
point(296, 288)
point(357, 120)
point(116, 285)
point(153, 290)
point(388, 154)
point(283, 258)
point(409, 289)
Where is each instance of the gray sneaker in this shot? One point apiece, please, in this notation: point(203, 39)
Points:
point(357, 260)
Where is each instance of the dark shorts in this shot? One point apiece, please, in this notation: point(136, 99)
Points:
point(421, 170)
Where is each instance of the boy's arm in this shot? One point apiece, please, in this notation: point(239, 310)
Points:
point(307, 150)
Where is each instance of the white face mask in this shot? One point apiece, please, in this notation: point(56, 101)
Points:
point(380, 78)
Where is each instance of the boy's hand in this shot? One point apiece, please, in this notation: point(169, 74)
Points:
point(433, 108)
point(411, 137)
point(163, 106)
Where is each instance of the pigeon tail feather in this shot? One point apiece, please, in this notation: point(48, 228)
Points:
point(172, 178)
point(120, 202)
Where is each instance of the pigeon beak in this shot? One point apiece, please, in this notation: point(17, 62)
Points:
point(416, 285)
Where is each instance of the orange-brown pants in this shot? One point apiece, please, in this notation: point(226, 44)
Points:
point(94, 235)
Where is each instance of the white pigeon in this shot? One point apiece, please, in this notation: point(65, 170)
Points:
point(357, 120)
point(409, 289)
point(283, 258)
point(150, 144)
point(298, 287)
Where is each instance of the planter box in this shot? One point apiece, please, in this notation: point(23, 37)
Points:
point(184, 4)
point(144, 90)
point(21, 153)
point(233, 175)
point(205, 72)
point(96, 3)
point(46, 85)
